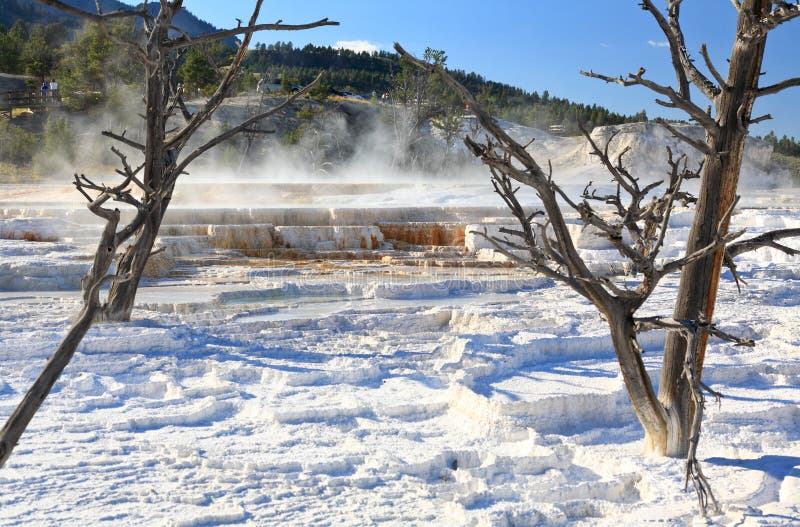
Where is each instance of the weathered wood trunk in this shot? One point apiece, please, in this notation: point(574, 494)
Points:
point(699, 280)
point(40, 389)
point(648, 409)
point(122, 296)
point(160, 170)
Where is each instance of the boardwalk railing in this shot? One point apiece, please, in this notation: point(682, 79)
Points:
point(34, 99)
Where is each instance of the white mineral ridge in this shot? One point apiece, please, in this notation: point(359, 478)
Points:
point(370, 394)
point(645, 146)
point(337, 400)
point(41, 229)
point(329, 238)
point(243, 236)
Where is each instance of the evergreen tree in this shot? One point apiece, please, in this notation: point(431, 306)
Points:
point(39, 56)
point(93, 63)
point(11, 43)
point(196, 72)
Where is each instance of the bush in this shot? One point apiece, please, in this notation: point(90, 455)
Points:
point(17, 145)
point(789, 163)
point(292, 137)
point(246, 83)
point(307, 112)
point(58, 147)
point(82, 101)
point(15, 174)
point(320, 92)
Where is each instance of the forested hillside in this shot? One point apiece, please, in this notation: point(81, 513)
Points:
point(31, 13)
point(367, 73)
point(12, 11)
point(42, 42)
point(38, 41)
point(786, 152)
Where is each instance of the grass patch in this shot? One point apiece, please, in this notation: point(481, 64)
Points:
point(16, 174)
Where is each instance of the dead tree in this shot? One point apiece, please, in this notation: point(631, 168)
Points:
point(147, 188)
point(726, 122)
point(635, 223)
point(414, 102)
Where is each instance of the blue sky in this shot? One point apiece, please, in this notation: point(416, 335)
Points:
point(531, 44)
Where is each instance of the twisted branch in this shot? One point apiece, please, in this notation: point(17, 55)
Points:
point(247, 31)
point(676, 100)
point(683, 64)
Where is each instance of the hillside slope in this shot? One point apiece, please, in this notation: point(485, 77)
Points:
point(646, 157)
point(32, 13)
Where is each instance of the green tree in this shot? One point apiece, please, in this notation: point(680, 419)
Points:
point(448, 126)
point(92, 63)
point(320, 91)
point(198, 72)
point(10, 51)
point(19, 31)
point(18, 145)
point(39, 57)
point(286, 85)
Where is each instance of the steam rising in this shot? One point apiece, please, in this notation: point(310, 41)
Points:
point(352, 153)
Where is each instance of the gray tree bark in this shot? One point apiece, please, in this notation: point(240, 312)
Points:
point(726, 129)
point(697, 293)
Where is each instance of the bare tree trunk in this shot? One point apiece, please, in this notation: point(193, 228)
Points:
point(121, 297)
point(92, 282)
point(18, 421)
point(700, 280)
point(650, 412)
point(161, 168)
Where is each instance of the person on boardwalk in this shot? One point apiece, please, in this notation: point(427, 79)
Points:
point(54, 89)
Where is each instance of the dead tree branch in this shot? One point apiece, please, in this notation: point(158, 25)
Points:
point(178, 140)
point(768, 239)
point(671, 324)
point(780, 14)
point(674, 50)
point(101, 18)
point(98, 17)
point(778, 87)
point(247, 31)
point(124, 140)
point(244, 125)
point(710, 65)
point(718, 241)
point(684, 66)
point(676, 100)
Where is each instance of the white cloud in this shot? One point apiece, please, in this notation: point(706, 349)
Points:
point(662, 44)
point(357, 45)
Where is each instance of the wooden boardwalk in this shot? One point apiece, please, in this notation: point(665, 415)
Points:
point(34, 99)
